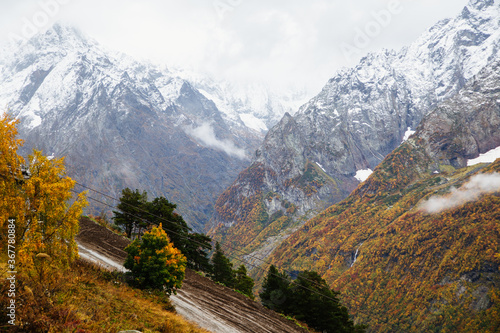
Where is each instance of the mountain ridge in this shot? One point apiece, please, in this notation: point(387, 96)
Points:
point(384, 249)
point(361, 115)
point(123, 123)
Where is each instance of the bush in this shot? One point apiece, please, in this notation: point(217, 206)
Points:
point(154, 262)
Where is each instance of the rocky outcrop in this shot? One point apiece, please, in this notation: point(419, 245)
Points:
point(468, 124)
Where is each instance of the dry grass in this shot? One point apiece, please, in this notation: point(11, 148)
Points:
point(88, 299)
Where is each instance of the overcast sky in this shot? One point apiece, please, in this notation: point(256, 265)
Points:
point(282, 42)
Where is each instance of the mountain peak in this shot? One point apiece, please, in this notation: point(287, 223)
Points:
point(481, 4)
point(66, 30)
point(61, 35)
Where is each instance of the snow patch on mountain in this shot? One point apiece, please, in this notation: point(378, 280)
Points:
point(170, 88)
point(321, 167)
point(409, 132)
point(363, 175)
point(253, 122)
point(488, 157)
point(35, 120)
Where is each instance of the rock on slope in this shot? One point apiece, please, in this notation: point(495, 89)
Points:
point(317, 157)
point(122, 123)
point(416, 247)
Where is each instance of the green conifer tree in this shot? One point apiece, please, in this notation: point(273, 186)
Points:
point(131, 211)
point(244, 283)
point(312, 301)
point(275, 290)
point(194, 246)
point(154, 262)
point(222, 268)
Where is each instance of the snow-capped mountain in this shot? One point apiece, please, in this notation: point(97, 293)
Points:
point(257, 105)
point(318, 156)
point(369, 108)
point(123, 123)
point(428, 216)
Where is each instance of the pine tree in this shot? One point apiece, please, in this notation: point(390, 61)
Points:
point(162, 211)
point(275, 290)
point(312, 301)
point(132, 211)
point(135, 211)
point(244, 283)
point(222, 268)
point(193, 245)
point(308, 299)
point(196, 251)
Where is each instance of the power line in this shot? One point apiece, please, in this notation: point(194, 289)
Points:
point(234, 256)
point(197, 242)
point(164, 219)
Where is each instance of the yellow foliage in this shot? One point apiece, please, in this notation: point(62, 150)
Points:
point(154, 262)
point(45, 220)
point(90, 299)
point(10, 167)
point(415, 272)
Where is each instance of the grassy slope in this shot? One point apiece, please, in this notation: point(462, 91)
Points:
point(88, 299)
point(414, 271)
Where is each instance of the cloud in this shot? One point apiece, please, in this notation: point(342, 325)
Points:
point(469, 192)
point(292, 42)
point(205, 133)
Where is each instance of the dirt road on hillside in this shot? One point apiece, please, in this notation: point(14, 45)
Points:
point(213, 307)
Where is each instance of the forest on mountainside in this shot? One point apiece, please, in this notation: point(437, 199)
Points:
point(398, 267)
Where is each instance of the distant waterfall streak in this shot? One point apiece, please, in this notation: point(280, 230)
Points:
point(356, 255)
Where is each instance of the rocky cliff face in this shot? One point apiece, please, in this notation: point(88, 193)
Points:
point(122, 123)
point(468, 124)
point(318, 156)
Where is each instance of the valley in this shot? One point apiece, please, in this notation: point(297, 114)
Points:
point(383, 187)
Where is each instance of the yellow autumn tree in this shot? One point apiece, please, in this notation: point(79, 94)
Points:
point(155, 263)
point(10, 169)
point(40, 204)
point(49, 222)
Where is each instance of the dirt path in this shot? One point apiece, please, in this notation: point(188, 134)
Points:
point(213, 307)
